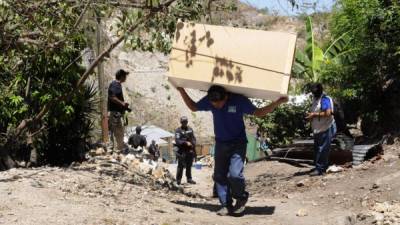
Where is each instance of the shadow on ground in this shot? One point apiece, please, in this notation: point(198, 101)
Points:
point(302, 173)
point(250, 210)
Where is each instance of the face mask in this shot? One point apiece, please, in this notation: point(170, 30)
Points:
point(317, 94)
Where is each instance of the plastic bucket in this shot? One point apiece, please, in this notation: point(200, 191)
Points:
point(198, 166)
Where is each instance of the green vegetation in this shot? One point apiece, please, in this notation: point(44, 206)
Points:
point(46, 102)
point(359, 65)
point(310, 63)
point(369, 83)
point(284, 124)
point(43, 93)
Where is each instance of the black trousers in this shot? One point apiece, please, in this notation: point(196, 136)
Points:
point(185, 162)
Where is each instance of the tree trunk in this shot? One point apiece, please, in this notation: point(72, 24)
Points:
point(6, 161)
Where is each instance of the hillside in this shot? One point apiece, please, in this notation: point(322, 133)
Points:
point(249, 17)
point(154, 100)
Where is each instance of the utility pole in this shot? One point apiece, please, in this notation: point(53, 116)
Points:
point(102, 87)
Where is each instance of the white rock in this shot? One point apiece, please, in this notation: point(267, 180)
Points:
point(302, 213)
point(100, 151)
point(334, 169)
point(381, 207)
point(379, 217)
point(302, 183)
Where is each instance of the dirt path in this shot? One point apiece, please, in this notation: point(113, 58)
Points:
point(280, 194)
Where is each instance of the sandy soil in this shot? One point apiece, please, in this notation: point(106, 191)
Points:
point(280, 194)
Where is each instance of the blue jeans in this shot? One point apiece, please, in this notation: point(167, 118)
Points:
point(322, 146)
point(228, 171)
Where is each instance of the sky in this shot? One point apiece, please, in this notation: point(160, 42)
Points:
point(283, 7)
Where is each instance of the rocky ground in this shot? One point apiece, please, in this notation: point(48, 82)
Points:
point(114, 189)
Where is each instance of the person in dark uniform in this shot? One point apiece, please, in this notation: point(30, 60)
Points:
point(185, 143)
point(154, 151)
point(137, 140)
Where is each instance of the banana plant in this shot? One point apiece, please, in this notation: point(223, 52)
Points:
point(309, 63)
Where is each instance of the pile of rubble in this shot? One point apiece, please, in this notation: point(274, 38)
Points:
point(382, 213)
point(131, 168)
point(207, 161)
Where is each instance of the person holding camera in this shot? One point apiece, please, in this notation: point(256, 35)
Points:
point(116, 108)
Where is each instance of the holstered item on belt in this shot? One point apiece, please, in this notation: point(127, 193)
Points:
point(116, 115)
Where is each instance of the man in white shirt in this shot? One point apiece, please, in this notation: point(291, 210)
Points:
point(323, 126)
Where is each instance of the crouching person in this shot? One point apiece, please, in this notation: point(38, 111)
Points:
point(154, 151)
point(137, 141)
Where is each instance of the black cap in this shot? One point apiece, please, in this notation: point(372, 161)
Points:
point(216, 93)
point(120, 73)
point(184, 119)
point(316, 89)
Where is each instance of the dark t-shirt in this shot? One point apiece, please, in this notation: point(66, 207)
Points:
point(153, 149)
point(137, 140)
point(115, 89)
point(228, 121)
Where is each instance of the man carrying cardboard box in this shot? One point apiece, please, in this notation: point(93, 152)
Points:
point(228, 110)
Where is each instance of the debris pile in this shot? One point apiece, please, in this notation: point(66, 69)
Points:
point(207, 160)
point(130, 168)
point(386, 213)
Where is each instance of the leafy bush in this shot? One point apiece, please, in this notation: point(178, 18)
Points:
point(42, 105)
point(67, 140)
point(284, 124)
point(370, 82)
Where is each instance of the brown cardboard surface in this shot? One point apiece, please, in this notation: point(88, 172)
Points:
point(251, 62)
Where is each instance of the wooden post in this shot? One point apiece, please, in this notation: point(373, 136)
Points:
point(170, 149)
point(102, 87)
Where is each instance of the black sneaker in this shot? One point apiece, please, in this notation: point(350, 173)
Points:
point(315, 173)
point(191, 181)
point(240, 206)
point(178, 182)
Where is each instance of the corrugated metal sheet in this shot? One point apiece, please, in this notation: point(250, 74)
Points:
point(151, 133)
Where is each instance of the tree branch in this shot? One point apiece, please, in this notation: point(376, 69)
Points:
point(81, 16)
point(46, 108)
point(28, 41)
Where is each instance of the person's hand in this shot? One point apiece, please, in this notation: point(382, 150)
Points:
point(189, 144)
point(126, 105)
point(310, 116)
point(282, 99)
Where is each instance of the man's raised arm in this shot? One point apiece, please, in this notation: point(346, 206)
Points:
point(260, 112)
point(188, 101)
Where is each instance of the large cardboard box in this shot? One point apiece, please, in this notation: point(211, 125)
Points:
point(251, 62)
